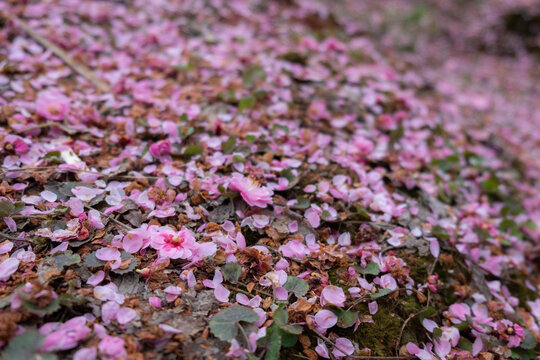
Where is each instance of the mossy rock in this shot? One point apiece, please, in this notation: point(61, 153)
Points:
point(381, 335)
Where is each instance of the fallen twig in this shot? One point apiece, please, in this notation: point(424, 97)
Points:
point(77, 67)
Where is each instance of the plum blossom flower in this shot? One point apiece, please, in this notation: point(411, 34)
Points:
point(252, 193)
point(333, 295)
point(160, 148)
point(52, 105)
point(513, 333)
point(174, 245)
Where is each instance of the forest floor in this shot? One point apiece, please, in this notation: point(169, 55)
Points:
point(257, 179)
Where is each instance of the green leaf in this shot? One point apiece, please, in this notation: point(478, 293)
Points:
point(52, 307)
point(301, 203)
point(228, 146)
point(250, 138)
point(273, 342)
point(287, 173)
point(381, 293)
point(193, 150)
point(246, 102)
point(24, 346)
point(465, 344)
point(252, 75)
point(64, 259)
point(287, 339)
point(462, 325)
point(224, 323)
point(292, 329)
point(523, 354)
point(299, 287)
point(440, 232)
point(281, 319)
point(8, 208)
point(529, 342)
point(362, 212)
point(347, 318)
point(371, 269)
point(238, 158)
point(427, 312)
point(491, 185)
point(232, 272)
point(92, 261)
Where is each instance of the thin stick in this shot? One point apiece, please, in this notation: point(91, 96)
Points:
point(64, 56)
point(12, 238)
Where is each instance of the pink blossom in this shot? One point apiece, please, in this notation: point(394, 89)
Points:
point(294, 249)
point(52, 105)
point(373, 307)
point(317, 110)
point(108, 254)
point(325, 319)
point(67, 336)
point(322, 349)
point(132, 242)
point(85, 193)
point(388, 282)
point(220, 292)
point(343, 344)
point(155, 302)
point(89, 353)
point(109, 311)
point(125, 315)
point(244, 300)
point(112, 347)
point(253, 194)
point(48, 196)
point(281, 293)
point(314, 217)
point(172, 293)
point(94, 218)
point(333, 295)
point(160, 148)
point(96, 278)
point(7, 268)
point(174, 245)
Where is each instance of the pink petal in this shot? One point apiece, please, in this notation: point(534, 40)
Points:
point(125, 315)
point(345, 345)
point(94, 218)
point(109, 311)
point(281, 293)
point(325, 319)
point(11, 224)
point(322, 350)
point(132, 243)
point(96, 278)
point(7, 268)
point(373, 307)
point(221, 293)
point(48, 196)
point(155, 302)
point(108, 254)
